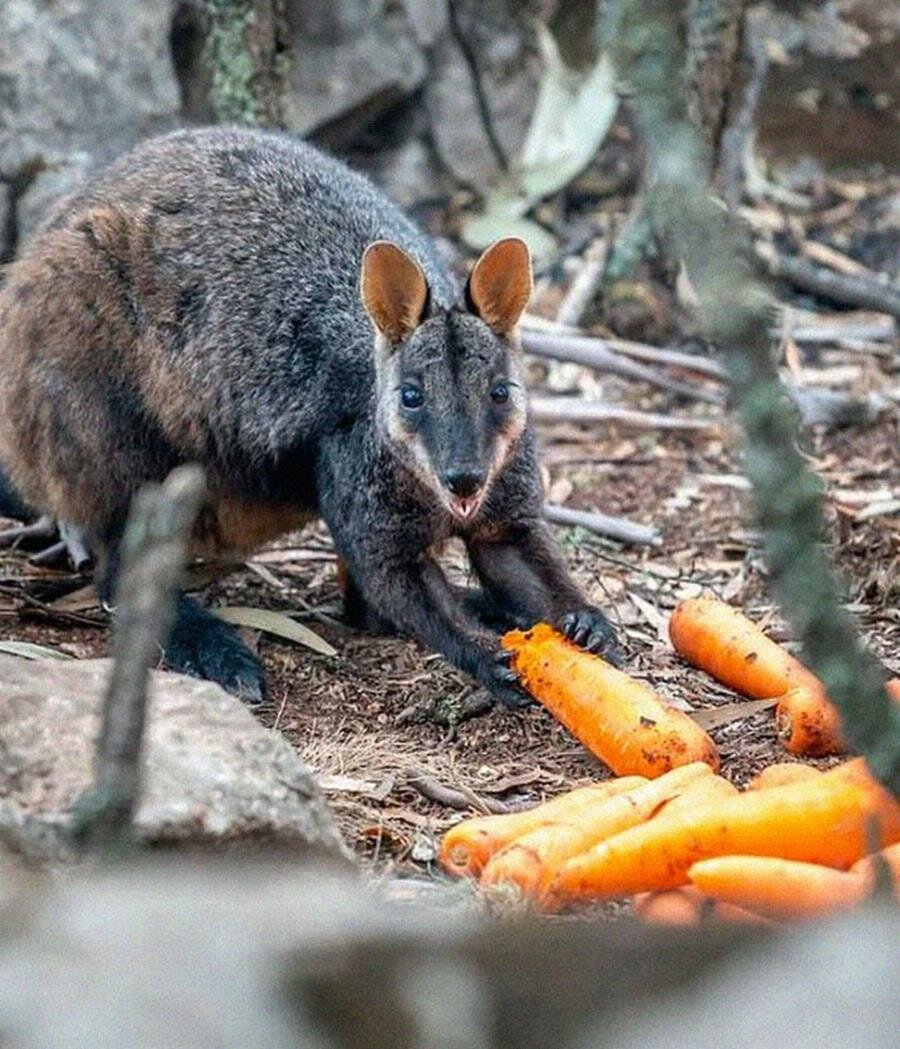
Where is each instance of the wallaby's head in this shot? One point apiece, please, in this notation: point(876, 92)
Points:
point(451, 397)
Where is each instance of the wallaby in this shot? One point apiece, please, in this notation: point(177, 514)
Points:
point(238, 299)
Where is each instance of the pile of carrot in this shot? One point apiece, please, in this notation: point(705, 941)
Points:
point(723, 642)
point(795, 843)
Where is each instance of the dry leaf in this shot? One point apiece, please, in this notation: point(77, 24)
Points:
point(277, 623)
point(28, 650)
point(714, 717)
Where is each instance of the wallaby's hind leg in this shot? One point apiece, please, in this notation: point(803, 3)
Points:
point(200, 644)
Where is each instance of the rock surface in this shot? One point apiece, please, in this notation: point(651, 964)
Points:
point(507, 67)
point(213, 774)
point(352, 62)
point(80, 81)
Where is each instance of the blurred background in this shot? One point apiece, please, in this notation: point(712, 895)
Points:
point(436, 100)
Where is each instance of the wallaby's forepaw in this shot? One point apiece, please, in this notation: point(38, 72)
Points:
point(504, 685)
point(590, 629)
point(205, 646)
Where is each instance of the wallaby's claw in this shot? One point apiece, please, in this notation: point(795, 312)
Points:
point(504, 682)
point(590, 629)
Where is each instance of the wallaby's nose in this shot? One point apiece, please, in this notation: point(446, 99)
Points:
point(463, 482)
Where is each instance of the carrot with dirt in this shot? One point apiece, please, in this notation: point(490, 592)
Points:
point(721, 640)
point(782, 773)
point(699, 792)
point(468, 846)
point(687, 906)
point(524, 868)
point(778, 888)
point(828, 820)
point(808, 722)
point(620, 720)
point(672, 907)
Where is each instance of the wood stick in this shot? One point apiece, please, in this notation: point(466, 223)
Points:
point(615, 527)
point(462, 800)
point(154, 550)
point(597, 353)
point(862, 292)
point(583, 289)
point(569, 409)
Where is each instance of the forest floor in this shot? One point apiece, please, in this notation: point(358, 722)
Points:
point(382, 710)
point(376, 716)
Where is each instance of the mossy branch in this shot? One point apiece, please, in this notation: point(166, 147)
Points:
point(737, 311)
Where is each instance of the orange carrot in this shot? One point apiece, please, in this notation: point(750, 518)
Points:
point(526, 866)
point(698, 793)
point(808, 722)
point(469, 845)
point(782, 773)
point(687, 906)
point(671, 907)
point(826, 820)
point(778, 888)
point(620, 720)
point(730, 912)
point(720, 640)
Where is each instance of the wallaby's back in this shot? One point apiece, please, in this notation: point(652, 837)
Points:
point(198, 300)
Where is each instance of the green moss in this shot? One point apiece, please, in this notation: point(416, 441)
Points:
point(227, 54)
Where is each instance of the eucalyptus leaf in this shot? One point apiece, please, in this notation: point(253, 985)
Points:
point(28, 650)
point(482, 230)
point(571, 118)
point(276, 623)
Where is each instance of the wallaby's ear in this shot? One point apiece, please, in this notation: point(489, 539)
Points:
point(500, 284)
point(393, 289)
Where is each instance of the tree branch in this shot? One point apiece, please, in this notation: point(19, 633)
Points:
point(594, 353)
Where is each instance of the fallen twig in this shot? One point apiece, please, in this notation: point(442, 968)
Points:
point(615, 527)
point(154, 549)
point(598, 353)
point(461, 799)
point(863, 292)
point(583, 289)
point(568, 409)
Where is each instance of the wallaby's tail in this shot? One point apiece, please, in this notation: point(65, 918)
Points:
point(11, 504)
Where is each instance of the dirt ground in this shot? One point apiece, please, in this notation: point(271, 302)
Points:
point(383, 709)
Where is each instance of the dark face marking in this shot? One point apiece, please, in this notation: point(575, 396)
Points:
point(452, 401)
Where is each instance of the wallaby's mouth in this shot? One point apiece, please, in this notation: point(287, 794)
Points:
point(465, 506)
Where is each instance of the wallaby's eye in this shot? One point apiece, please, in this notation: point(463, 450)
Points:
point(500, 393)
point(411, 397)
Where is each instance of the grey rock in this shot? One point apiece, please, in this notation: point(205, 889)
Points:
point(351, 64)
point(509, 72)
point(409, 174)
point(213, 774)
point(81, 79)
